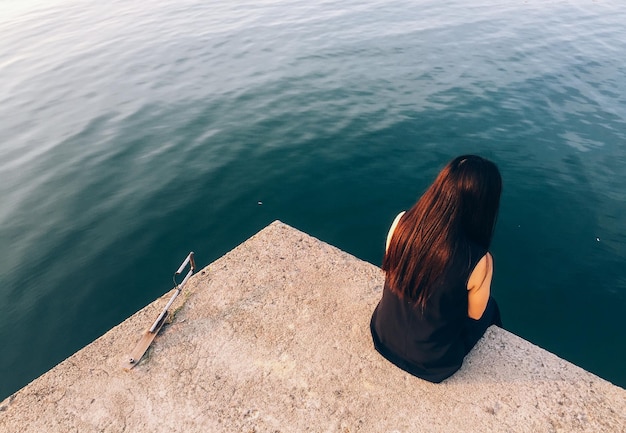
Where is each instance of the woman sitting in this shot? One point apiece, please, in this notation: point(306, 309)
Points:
point(436, 301)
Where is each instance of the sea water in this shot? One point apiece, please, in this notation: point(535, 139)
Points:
point(134, 132)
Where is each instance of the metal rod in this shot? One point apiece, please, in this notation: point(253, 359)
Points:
point(183, 264)
point(179, 287)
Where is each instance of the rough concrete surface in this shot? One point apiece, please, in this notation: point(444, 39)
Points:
point(274, 337)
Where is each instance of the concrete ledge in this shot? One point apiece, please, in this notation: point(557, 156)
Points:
point(274, 337)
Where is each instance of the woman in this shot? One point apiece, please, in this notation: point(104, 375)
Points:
point(436, 301)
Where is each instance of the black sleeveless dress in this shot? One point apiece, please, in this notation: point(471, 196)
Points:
point(429, 344)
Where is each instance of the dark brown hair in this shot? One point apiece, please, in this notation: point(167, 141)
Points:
point(460, 206)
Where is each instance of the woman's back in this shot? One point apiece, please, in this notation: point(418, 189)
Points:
point(428, 342)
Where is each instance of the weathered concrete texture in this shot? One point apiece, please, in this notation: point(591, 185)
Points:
point(274, 337)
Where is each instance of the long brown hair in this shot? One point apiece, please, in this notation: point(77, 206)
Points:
point(460, 206)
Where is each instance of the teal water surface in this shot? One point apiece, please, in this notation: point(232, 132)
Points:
point(132, 133)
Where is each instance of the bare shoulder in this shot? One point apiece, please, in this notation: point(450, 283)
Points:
point(393, 228)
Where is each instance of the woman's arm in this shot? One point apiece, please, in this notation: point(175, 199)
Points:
point(479, 287)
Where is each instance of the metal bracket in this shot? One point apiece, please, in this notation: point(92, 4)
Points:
point(188, 261)
point(148, 336)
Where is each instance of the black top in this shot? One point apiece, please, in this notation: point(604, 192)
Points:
point(429, 344)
